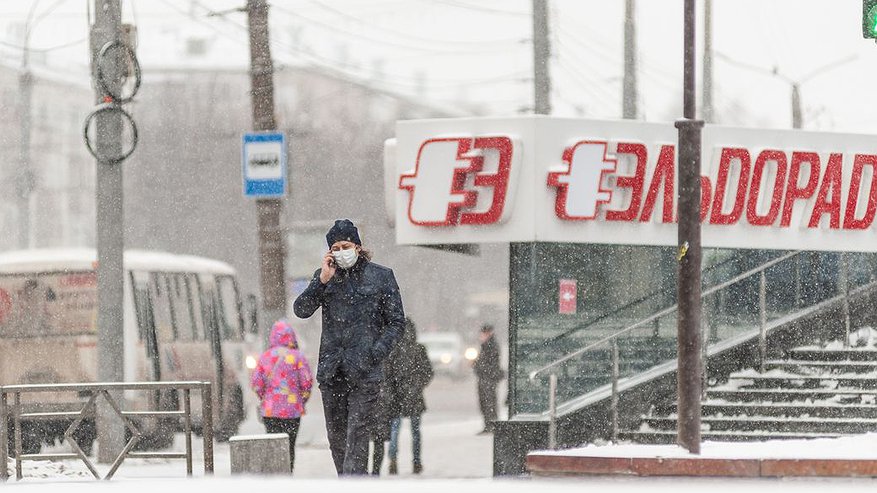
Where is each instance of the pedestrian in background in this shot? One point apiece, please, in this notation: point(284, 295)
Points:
point(282, 379)
point(409, 372)
point(362, 320)
point(489, 373)
point(380, 431)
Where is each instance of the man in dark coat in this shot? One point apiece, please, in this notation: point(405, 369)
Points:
point(408, 373)
point(362, 320)
point(489, 373)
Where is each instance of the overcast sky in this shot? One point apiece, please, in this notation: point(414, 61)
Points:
point(481, 51)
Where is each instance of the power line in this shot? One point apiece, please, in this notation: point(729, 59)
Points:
point(396, 44)
point(480, 8)
point(357, 20)
point(333, 66)
point(45, 50)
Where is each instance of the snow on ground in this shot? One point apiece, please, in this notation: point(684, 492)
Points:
point(456, 459)
point(854, 447)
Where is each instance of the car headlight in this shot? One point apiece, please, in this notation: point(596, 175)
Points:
point(251, 362)
point(471, 353)
point(446, 358)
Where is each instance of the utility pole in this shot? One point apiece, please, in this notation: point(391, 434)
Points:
point(541, 58)
point(707, 97)
point(689, 374)
point(629, 98)
point(797, 113)
point(107, 28)
point(272, 243)
point(24, 183)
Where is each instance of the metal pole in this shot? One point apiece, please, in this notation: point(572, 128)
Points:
point(541, 58)
point(552, 411)
point(187, 428)
point(207, 426)
point(272, 240)
point(25, 176)
point(613, 405)
point(689, 270)
point(762, 320)
point(16, 427)
point(845, 289)
point(110, 231)
point(629, 98)
point(707, 88)
point(4, 437)
point(797, 115)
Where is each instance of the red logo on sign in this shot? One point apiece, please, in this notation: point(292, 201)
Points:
point(579, 186)
point(448, 177)
point(567, 296)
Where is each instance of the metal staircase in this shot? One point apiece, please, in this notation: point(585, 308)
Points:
point(622, 385)
point(815, 392)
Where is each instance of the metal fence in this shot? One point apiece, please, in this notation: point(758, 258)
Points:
point(128, 418)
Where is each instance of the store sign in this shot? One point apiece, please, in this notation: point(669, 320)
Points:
point(561, 180)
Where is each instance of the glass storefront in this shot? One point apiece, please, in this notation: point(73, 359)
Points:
point(617, 286)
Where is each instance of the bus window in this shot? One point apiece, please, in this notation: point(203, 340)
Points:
point(164, 329)
point(180, 307)
point(230, 309)
point(195, 312)
point(208, 309)
point(48, 304)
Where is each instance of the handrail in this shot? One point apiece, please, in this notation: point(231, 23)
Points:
point(97, 390)
point(663, 312)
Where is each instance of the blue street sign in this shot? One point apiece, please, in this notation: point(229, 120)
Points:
point(263, 159)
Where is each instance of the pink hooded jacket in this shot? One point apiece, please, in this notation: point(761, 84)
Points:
point(282, 378)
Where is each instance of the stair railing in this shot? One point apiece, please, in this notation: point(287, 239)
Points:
point(613, 340)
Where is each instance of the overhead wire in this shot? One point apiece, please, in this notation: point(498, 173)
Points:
point(333, 65)
point(356, 20)
point(395, 44)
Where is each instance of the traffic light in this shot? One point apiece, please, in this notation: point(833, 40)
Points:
point(869, 19)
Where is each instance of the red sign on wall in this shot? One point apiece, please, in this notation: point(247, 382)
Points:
point(567, 296)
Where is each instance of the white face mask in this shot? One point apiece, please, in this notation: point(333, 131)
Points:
point(346, 258)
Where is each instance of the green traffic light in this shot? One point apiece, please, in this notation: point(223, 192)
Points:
point(872, 20)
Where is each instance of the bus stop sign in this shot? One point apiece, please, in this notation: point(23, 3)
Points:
point(263, 159)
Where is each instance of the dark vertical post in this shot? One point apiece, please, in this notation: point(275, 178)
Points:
point(272, 244)
point(629, 96)
point(797, 116)
point(707, 98)
point(4, 438)
point(689, 276)
point(24, 176)
point(110, 230)
point(541, 58)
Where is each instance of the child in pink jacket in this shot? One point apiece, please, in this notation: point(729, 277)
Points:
point(282, 379)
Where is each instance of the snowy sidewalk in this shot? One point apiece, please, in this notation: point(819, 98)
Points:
point(854, 456)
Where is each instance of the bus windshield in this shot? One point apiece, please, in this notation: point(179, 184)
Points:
point(59, 304)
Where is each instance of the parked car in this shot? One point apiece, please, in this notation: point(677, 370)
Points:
point(446, 352)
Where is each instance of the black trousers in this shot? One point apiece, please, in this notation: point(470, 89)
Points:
point(487, 401)
point(348, 408)
point(288, 426)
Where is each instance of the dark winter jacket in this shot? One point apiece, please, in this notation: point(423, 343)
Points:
point(362, 320)
point(409, 372)
point(487, 364)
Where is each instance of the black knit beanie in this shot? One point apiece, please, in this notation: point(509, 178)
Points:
point(343, 230)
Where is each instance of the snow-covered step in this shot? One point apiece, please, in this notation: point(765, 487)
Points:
point(785, 394)
point(787, 380)
point(827, 409)
point(771, 424)
point(669, 436)
point(823, 366)
point(848, 354)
